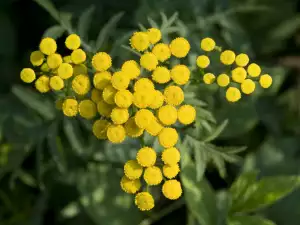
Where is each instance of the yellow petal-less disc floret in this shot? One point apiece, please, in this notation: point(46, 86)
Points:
point(100, 129)
point(146, 156)
point(227, 57)
point(65, 71)
point(101, 61)
point(48, 46)
point(180, 47)
point(223, 80)
point(132, 130)
point(154, 35)
point(131, 68)
point(233, 94)
point(144, 201)
point(123, 98)
point(109, 93)
point(254, 70)
point(56, 83)
point(171, 171)
point(154, 128)
point(248, 86)
point(120, 81)
point(42, 84)
point(207, 44)
point(158, 100)
point(101, 79)
point(70, 107)
point(171, 189)
point(54, 60)
point(87, 109)
point(186, 114)
point(167, 114)
point(173, 95)
point(209, 78)
point(242, 60)
point(203, 61)
point(67, 59)
point(104, 109)
point(119, 115)
point(149, 61)
point(133, 170)
point(161, 51)
point(37, 58)
point(73, 42)
point(81, 84)
point(96, 95)
point(140, 41)
point(27, 75)
point(143, 118)
point(168, 137)
point(142, 99)
point(265, 81)
point(116, 133)
point(239, 74)
point(78, 56)
point(170, 156)
point(80, 69)
point(161, 75)
point(153, 175)
point(180, 74)
point(130, 186)
point(143, 84)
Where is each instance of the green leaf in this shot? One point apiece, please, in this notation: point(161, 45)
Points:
point(49, 7)
point(84, 21)
point(248, 220)
point(74, 135)
point(201, 159)
point(168, 23)
point(54, 32)
point(223, 206)
point(216, 132)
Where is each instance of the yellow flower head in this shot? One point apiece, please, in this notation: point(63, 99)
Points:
point(153, 175)
point(149, 61)
point(143, 84)
point(104, 109)
point(154, 127)
point(130, 186)
point(173, 95)
point(54, 60)
point(265, 81)
point(81, 84)
point(161, 75)
point(180, 74)
point(27, 75)
point(239, 74)
point(120, 81)
point(36, 58)
point(154, 35)
point(223, 80)
point(158, 100)
point(131, 69)
point(42, 84)
point(133, 170)
point(233, 94)
point(180, 47)
point(142, 99)
point(171, 189)
point(242, 60)
point(108, 94)
point(140, 41)
point(78, 56)
point(162, 52)
point(207, 44)
point(186, 114)
point(119, 115)
point(65, 71)
point(144, 201)
point(227, 57)
point(48, 46)
point(87, 109)
point(167, 114)
point(72, 42)
point(248, 86)
point(143, 118)
point(116, 133)
point(67, 59)
point(96, 95)
point(168, 137)
point(146, 157)
point(80, 69)
point(100, 129)
point(254, 70)
point(102, 79)
point(56, 83)
point(171, 171)
point(203, 61)
point(170, 156)
point(132, 130)
point(70, 107)
point(209, 78)
point(101, 61)
point(123, 98)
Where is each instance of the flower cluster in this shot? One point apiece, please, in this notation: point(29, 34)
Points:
point(241, 76)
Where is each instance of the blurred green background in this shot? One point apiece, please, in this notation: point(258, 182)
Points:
point(40, 184)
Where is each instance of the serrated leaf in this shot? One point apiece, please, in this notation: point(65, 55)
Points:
point(201, 159)
point(220, 165)
point(119, 42)
point(223, 206)
point(216, 132)
point(84, 21)
point(66, 21)
point(73, 134)
point(49, 7)
point(169, 22)
point(248, 220)
point(285, 29)
point(54, 32)
point(152, 22)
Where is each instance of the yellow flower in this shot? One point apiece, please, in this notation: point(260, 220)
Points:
point(123, 98)
point(120, 81)
point(168, 137)
point(209, 78)
point(116, 133)
point(130, 186)
point(180, 47)
point(248, 86)
point(27, 75)
point(78, 56)
point(143, 84)
point(102, 79)
point(149, 61)
point(131, 69)
point(254, 70)
point(227, 57)
point(140, 41)
point(56, 83)
point(67, 59)
point(265, 81)
point(143, 118)
point(72, 42)
point(119, 115)
point(133, 170)
point(180, 74)
point(42, 84)
point(142, 99)
point(154, 35)
point(104, 109)
point(87, 109)
point(70, 107)
point(173, 95)
point(80, 69)
point(54, 60)
point(167, 114)
point(65, 71)
point(144, 201)
point(161, 51)
point(132, 130)
point(81, 84)
point(170, 156)
point(146, 156)
point(223, 80)
point(96, 95)
point(233, 94)
point(171, 171)
point(171, 189)
point(161, 75)
point(108, 94)
point(203, 61)
point(207, 44)
point(154, 127)
point(101, 61)
point(37, 58)
point(48, 46)
point(158, 100)
point(153, 175)
point(186, 114)
point(239, 74)
point(45, 67)
point(242, 60)
point(100, 129)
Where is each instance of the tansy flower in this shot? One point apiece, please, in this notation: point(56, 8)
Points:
point(65, 71)
point(102, 79)
point(265, 81)
point(48, 46)
point(180, 74)
point(109, 93)
point(171, 189)
point(54, 60)
point(154, 35)
point(87, 109)
point(171, 171)
point(143, 84)
point(79, 69)
point(153, 175)
point(180, 47)
point(67, 59)
point(42, 84)
point(133, 170)
point(132, 130)
point(146, 157)
point(78, 56)
point(81, 84)
point(162, 52)
point(120, 81)
point(140, 41)
point(27, 75)
point(119, 115)
point(227, 57)
point(207, 44)
point(72, 42)
point(168, 137)
point(144, 201)
point(96, 95)
point(154, 128)
point(158, 100)
point(170, 156)
point(173, 95)
point(101, 61)
point(248, 86)
point(149, 61)
point(239, 74)
point(233, 94)
point(100, 129)
point(203, 61)
point(130, 186)
point(104, 109)
point(186, 114)
point(116, 133)
point(56, 83)
point(161, 75)
point(242, 60)
point(131, 69)
point(209, 78)
point(223, 80)
point(36, 58)
point(167, 114)
point(142, 99)
point(123, 98)
point(70, 107)
point(254, 70)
